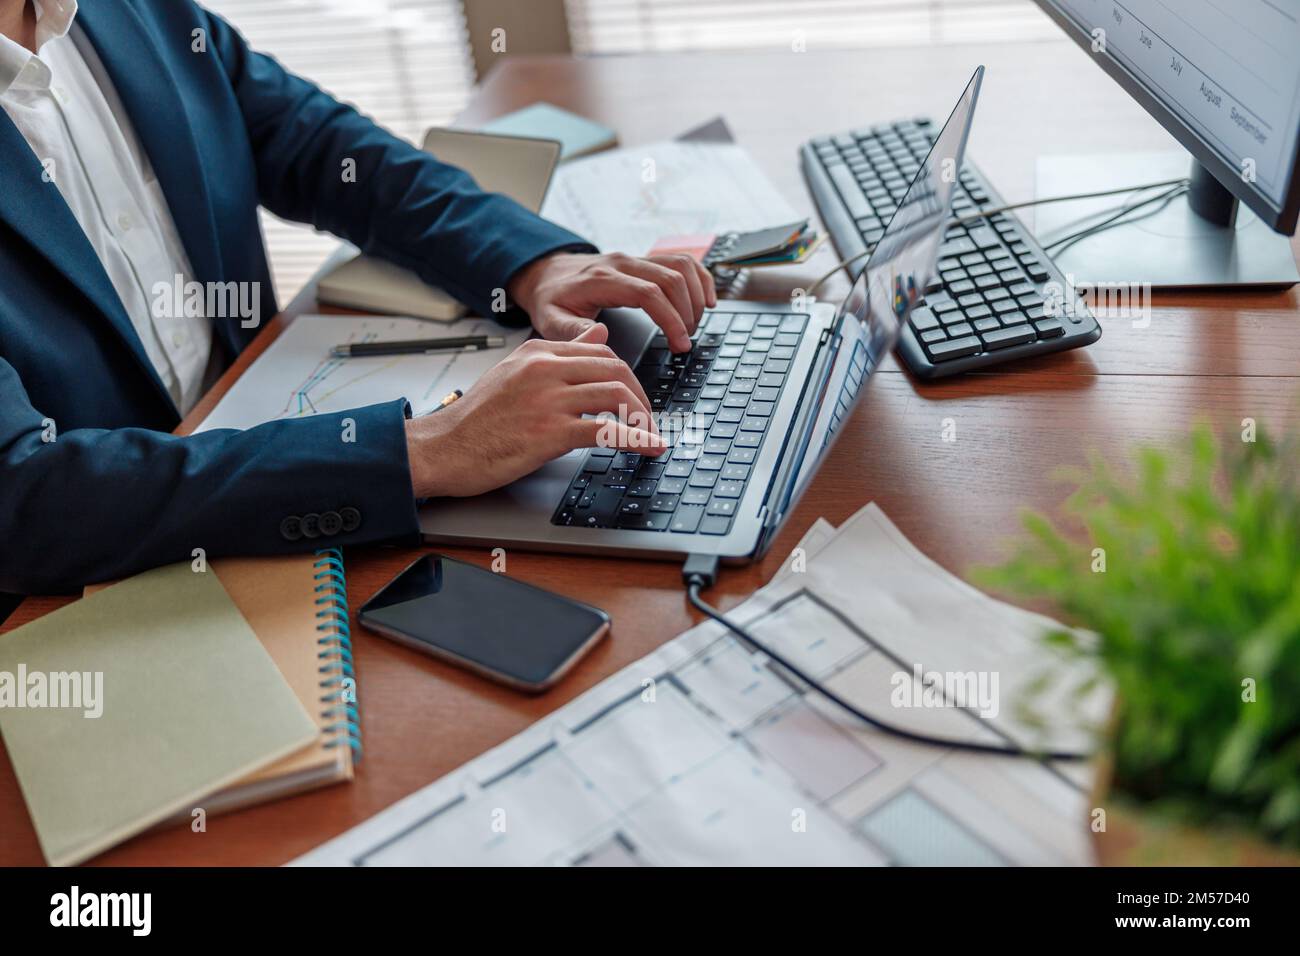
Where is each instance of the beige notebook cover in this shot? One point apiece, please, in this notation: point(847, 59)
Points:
point(190, 701)
point(278, 598)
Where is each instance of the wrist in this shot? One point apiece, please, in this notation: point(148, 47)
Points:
point(522, 287)
point(426, 457)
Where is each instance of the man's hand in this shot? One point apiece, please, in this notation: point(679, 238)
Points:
point(527, 410)
point(563, 292)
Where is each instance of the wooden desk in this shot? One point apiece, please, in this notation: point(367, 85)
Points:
point(1225, 357)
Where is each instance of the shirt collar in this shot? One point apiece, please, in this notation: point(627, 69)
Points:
point(53, 20)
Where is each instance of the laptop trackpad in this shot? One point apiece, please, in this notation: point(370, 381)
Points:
point(630, 331)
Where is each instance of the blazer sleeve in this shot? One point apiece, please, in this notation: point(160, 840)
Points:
point(322, 162)
point(94, 504)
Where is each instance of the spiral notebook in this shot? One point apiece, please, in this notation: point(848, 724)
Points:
point(298, 608)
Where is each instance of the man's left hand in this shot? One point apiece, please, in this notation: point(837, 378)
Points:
point(564, 292)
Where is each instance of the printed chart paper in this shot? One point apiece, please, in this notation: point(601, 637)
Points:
point(297, 377)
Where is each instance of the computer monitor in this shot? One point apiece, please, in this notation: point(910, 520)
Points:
point(1223, 77)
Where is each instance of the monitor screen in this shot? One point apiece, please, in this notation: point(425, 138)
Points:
point(900, 267)
point(1227, 70)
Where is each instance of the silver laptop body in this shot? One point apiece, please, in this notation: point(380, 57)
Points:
point(837, 352)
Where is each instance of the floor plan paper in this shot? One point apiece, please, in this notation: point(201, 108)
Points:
point(296, 376)
point(704, 752)
point(624, 200)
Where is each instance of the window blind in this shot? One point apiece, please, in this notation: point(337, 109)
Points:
point(635, 26)
point(405, 63)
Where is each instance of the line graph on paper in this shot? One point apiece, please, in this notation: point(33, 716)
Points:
point(297, 377)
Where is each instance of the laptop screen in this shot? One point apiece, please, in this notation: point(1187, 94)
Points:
point(902, 264)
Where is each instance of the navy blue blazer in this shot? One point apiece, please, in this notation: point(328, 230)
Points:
point(226, 130)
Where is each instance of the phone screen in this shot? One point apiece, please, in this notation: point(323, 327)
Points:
point(487, 621)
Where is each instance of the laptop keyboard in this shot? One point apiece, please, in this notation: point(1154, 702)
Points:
point(713, 405)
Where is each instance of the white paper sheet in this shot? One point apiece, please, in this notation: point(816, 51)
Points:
point(624, 200)
point(703, 753)
point(296, 376)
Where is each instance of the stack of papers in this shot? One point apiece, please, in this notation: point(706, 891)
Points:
point(626, 200)
point(705, 752)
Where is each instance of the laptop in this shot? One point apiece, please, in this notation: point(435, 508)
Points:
point(751, 411)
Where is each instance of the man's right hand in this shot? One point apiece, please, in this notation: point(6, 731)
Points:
point(528, 410)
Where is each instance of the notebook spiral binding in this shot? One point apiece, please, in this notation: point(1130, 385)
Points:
point(338, 679)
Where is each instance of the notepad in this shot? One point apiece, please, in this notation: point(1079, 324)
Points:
point(297, 607)
point(191, 702)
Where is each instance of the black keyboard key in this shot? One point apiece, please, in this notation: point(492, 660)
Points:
point(703, 479)
point(1003, 338)
point(596, 466)
point(695, 496)
point(671, 486)
point(686, 518)
point(664, 503)
point(923, 318)
point(729, 489)
point(715, 524)
point(956, 247)
point(1049, 329)
point(602, 510)
point(678, 469)
point(954, 348)
point(651, 521)
point(641, 488)
point(722, 506)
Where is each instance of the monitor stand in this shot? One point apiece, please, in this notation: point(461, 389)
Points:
point(1202, 239)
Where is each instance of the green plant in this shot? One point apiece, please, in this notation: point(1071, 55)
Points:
point(1197, 615)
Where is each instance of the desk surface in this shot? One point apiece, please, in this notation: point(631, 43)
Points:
point(1218, 356)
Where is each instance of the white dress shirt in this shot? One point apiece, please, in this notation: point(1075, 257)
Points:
point(65, 106)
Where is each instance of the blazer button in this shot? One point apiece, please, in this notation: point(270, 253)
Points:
point(351, 518)
point(330, 523)
point(291, 528)
point(311, 525)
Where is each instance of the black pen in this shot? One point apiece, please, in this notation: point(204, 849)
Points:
point(458, 343)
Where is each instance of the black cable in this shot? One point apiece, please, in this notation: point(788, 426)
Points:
point(1164, 198)
point(696, 581)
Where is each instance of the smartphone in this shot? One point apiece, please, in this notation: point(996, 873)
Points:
point(499, 628)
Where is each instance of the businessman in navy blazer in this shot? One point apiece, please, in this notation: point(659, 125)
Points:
point(203, 130)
